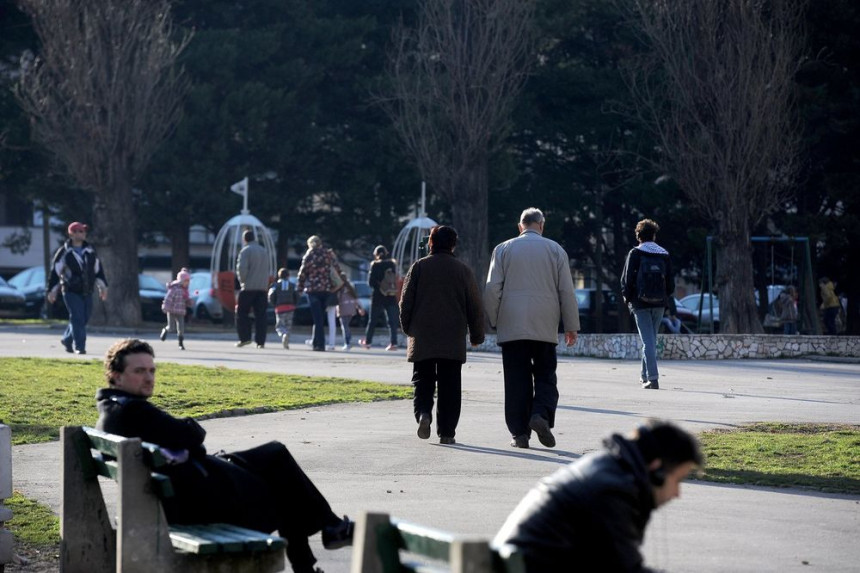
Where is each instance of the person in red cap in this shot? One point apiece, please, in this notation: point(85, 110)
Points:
point(76, 271)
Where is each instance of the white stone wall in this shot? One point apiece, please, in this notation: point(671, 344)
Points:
point(707, 347)
point(7, 542)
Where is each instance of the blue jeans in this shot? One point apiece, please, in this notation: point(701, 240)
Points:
point(317, 301)
point(80, 307)
point(647, 323)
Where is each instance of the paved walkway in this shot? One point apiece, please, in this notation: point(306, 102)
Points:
point(367, 456)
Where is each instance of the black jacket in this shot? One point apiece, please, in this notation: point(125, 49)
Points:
point(374, 279)
point(79, 274)
point(588, 516)
point(630, 274)
point(208, 488)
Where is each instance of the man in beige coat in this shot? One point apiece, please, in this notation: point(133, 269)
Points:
point(529, 292)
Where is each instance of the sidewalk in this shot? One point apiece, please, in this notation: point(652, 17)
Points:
point(367, 456)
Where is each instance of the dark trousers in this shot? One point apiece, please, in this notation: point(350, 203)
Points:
point(442, 376)
point(830, 320)
point(388, 305)
point(263, 488)
point(317, 301)
point(248, 300)
point(80, 307)
point(531, 386)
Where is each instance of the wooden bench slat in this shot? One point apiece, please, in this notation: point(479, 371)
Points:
point(226, 543)
point(423, 540)
point(254, 540)
point(108, 444)
point(185, 540)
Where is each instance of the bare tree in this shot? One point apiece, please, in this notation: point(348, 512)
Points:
point(103, 94)
point(455, 78)
point(716, 88)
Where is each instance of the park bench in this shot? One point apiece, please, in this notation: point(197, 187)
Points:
point(385, 545)
point(142, 540)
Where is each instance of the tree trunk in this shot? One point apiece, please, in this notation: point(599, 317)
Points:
point(115, 239)
point(735, 281)
point(180, 249)
point(469, 213)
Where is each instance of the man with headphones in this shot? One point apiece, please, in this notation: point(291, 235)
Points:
point(591, 515)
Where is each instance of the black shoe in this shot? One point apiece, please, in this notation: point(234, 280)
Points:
point(260, 346)
point(67, 344)
point(521, 441)
point(424, 425)
point(181, 343)
point(337, 536)
point(163, 335)
point(447, 440)
point(540, 425)
point(242, 343)
point(80, 351)
point(650, 385)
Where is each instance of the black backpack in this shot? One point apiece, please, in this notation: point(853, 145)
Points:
point(651, 280)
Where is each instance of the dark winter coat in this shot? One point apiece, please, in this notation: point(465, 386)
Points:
point(77, 273)
point(588, 516)
point(374, 279)
point(208, 489)
point(440, 300)
point(630, 275)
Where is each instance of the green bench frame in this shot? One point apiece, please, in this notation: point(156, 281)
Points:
point(142, 540)
point(385, 545)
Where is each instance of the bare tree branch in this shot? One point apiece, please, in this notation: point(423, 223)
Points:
point(103, 94)
point(716, 89)
point(455, 78)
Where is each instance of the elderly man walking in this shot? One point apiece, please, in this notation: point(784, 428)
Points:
point(529, 291)
point(252, 270)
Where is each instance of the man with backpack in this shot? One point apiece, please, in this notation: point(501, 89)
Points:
point(383, 281)
point(647, 286)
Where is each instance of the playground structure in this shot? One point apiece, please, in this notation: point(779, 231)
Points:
point(407, 245)
point(227, 245)
point(795, 270)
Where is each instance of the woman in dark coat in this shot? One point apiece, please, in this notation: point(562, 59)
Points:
point(440, 302)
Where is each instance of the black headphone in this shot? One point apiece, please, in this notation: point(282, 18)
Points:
point(647, 442)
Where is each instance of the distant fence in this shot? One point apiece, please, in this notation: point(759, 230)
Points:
point(707, 346)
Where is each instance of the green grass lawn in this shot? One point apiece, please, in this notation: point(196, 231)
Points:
point(39, 395)
point(823, 457)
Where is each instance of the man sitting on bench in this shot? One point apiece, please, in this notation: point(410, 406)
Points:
point(262, 488)
point(591, 515)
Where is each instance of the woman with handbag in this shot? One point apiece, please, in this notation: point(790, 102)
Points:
point(319, 265)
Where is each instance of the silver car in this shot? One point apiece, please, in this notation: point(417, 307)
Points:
point(205, 305)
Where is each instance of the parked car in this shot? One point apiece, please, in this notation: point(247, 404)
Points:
point(31, 283)
point(205, 304)
point(692, 302)
point(151, 293)
point(585, 299)
point(12, 302)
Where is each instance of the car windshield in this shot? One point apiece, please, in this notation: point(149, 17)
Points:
point(149, 282)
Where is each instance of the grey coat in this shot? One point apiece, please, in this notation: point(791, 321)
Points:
point(252, 267)
point(529, 290)
point(440, 301)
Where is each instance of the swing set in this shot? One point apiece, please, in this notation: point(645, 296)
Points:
point(790, 273)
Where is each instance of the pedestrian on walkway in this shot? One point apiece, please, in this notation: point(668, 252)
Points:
point(529, 292)
point(76, 271)
point(440, 302)
point(175, 306)
point(283, 298)
point(383, 280)
point(252, 270)
point(319, 266)
point(263, 488)
point(830, 305)
point(348, 306)
point(591, 515)
point(647, 285)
